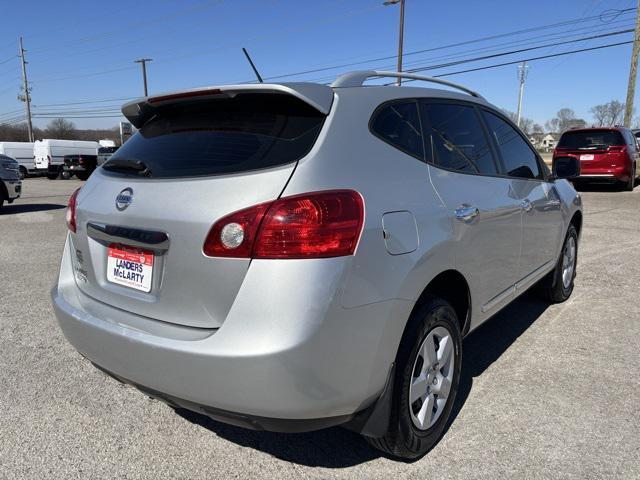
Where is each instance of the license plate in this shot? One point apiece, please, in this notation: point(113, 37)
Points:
point(586, 157)
point(129, 266)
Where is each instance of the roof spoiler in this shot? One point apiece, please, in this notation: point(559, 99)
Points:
point(138, 112)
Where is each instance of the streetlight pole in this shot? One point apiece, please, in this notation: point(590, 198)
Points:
point(144, 61)
point(400, 34)
point(523, 69)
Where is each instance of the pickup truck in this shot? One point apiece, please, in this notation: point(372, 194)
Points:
point(10, 184)
point(104, 153)
point(80, 165)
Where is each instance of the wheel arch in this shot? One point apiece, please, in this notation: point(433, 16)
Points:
point(576, 221)
point(450, 285)
point(4, 194)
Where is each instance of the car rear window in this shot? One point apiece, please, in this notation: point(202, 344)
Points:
point(221, 136)
point(591, 139)
point(107, 149)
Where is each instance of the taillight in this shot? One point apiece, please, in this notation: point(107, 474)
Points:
point(617, 148)
point(71, 211)
point(311, 225)
point(234, 235)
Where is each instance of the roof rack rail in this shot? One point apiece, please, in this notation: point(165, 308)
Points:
point(356, 79)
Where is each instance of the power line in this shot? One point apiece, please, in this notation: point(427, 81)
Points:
point(531, 59)
point(127, 27)
point(12, 57)
point(520, 50)
point(79, 116)
point(92, 74)
point(83, 102)
point(451, 45)
point(511, 52)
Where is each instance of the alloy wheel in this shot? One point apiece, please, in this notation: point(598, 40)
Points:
point(568, 261)
point(432, 378)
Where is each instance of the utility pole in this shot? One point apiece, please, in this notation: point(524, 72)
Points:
point(400, 34)
point(144, 61)
point(633, 70)
point(26, 98)
point(523, 69)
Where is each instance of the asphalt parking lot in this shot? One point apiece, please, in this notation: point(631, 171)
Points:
point(546, 392)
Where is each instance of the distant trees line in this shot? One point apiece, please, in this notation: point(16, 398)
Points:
point(58, 128)
point(605, 115)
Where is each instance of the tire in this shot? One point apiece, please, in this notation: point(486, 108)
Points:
point(65, 175)
point(555, 287)
point(23, 173)
point(52, 176)
point(405, 438)
point(83, 175)
point(631, 183)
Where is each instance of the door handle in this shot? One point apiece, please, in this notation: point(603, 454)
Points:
point(526, 205)
point(466, 213)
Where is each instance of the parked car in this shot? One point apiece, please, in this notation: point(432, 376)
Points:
point(104, 154)
point(81, 165)
point(22, 152)
point(49, 154)
point(606, 154)
point(10, 183)
point(290, 257)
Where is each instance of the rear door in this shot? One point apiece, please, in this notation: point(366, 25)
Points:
point(542, 223)
point(141, 230)
point(485, 211)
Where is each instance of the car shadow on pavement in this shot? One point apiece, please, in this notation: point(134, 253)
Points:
point(339, 448)
point(29, 208)
point(330, 448)
point(485, 345)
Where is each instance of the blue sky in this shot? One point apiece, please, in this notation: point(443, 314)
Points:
point(81, 51)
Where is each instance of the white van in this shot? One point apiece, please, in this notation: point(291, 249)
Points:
point(22, 152)
point(49, 154)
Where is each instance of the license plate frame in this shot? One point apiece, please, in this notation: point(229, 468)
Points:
point(130, 267)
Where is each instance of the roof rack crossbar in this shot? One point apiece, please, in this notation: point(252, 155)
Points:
point(356, 79)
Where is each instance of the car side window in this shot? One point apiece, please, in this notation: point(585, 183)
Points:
point(518, 157)
point(398, 124)
point(458, 139)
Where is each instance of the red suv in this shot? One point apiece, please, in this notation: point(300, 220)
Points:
point(605, 154)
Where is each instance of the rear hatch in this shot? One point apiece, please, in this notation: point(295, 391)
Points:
point(599, 150)
point(144, 215)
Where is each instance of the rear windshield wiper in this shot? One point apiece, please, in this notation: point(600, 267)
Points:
point(125, 165)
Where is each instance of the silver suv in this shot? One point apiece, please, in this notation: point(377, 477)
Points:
point(294, 256)
point(10, 183)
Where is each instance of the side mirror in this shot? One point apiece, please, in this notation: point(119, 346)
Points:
point(566, 167)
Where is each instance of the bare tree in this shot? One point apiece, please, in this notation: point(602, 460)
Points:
point(608, 114)
point(537, 128)
point(600, 114)
point(17, 133)
point(616, 111)
point(61, 129)
point(526, 124)
point(564, 120)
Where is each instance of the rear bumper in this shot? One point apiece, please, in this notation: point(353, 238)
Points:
point(604, 174)
point(265, 370)
point(74, 168)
